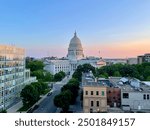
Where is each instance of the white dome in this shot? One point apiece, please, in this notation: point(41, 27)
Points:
point(75, 50)
point(75, 43)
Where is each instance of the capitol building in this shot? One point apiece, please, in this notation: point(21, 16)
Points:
point(74, 58)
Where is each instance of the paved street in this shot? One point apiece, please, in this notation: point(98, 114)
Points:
point(47, 105)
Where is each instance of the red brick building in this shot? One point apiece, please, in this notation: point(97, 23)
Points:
point(113, 97)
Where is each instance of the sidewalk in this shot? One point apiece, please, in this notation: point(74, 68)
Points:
point(15, 107)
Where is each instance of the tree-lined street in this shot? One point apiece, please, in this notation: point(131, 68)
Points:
point(47, 105)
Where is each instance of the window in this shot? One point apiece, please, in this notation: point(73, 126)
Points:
point(125, 95)
point(147, 97)
point(92, 103)
point(103, 93)
point(97, 103)
point(91, 110)
point(97, 93)
point(144, 97)
point(86, 92)
point(91, 92)
point(109, 91)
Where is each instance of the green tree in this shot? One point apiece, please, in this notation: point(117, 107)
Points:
point(105, 75)
point(62, 73)
point(117, 74)
point(38, 73)
point(140, 71)
point(82, 69)
point(35, 65)
point(30, 95)
point(42, 75)
point(48, 77)
point(148, 78)
point(87, 68)
point(59, 76)
point(146, 72)
point(73, 86)
point(63, 100)
point(3, 111)
point(74, 81)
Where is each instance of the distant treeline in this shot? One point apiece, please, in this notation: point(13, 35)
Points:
point(140, 71)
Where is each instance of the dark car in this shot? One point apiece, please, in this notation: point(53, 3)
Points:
point(50, 93)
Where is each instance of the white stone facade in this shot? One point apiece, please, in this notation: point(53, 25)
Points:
point(55, 66)
point(74, 58)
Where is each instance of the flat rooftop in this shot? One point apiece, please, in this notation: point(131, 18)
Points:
point(93, 84)
point(116, 82)
point(143, 88)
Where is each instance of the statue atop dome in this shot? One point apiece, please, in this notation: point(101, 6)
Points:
point(75, 34)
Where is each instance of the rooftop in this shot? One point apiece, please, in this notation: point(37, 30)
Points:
point(88, 79)
point(142, 89)
point(93, 84)
point(128, 86)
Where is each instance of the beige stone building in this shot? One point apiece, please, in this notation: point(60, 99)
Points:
point(94, 98)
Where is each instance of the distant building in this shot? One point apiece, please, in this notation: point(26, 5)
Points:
point(147, 57)
point(74, 58)
point(28, 59)
point(13, 75)
point(140, 59)
point(94, 98)
point(115, 61)
point(49, 58)
point(132, 61)
point(94, 61)
point(55, 66)
point(143, 58)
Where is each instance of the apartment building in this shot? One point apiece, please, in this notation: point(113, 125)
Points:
point(12, 74)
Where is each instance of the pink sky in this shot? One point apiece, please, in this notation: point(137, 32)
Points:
point(123, 49)
point(119, 50)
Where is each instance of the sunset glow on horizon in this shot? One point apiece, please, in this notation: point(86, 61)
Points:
point(118, 50)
